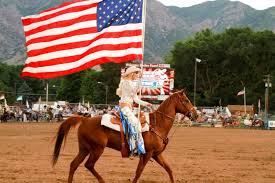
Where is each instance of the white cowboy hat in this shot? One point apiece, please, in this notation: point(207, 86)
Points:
point(131, 70)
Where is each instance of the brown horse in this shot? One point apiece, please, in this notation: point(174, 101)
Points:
point(93, 137)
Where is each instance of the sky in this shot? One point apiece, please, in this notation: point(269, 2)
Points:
point(256, 4)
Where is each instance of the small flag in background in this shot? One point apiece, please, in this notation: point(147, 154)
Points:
point(79, 106)
point(241, 93)
point(2, 96)
point(19, 98)
point(80, 34)
point(27, 104)
point(259, 106)
point(6, 104)
point(259, 103)
point(39, 103)
point(198, 60)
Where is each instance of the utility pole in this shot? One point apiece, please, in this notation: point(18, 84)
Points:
point(47, 93)
point(195, 80)
point(268, 85)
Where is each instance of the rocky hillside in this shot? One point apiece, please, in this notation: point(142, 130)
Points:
point(165, 25)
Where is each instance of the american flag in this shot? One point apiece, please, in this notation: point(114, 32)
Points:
point(242, 92)
point(80, 34)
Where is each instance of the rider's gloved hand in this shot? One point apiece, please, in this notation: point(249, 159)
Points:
point(150, 106)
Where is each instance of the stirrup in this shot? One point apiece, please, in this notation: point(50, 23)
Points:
point(132, 155)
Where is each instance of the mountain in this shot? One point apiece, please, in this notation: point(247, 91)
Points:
point(164, 25)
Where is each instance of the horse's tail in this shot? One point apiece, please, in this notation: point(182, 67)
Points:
point(62, 133)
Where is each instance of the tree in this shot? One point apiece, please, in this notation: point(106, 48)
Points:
point(89, 87)
point(231, 60)
point(109, 76)
point(69, 89)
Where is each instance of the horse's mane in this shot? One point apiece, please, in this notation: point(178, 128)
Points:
point(167, 101)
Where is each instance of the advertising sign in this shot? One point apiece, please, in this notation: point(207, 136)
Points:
point(157, 81)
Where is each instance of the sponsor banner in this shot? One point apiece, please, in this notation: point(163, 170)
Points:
point(157, 81)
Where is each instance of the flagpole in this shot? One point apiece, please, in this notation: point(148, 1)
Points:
point(39, 103)
point(144, 12)
point(259, 107)
point(244, 100)
point(47, 93)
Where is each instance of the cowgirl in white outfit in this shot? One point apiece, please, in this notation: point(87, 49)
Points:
point(128, 94)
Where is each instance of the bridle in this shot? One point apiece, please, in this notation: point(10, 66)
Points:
point(166, 139)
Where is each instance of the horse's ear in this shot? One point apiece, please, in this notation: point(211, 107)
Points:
point(174, 91)
point(183, 91)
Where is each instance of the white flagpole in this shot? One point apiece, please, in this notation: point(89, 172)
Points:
point(47, 93)
point(144, 12)
point(144, 8)
point(259, 107)
point(39, 103)
point(244, 100)
point(5, 103)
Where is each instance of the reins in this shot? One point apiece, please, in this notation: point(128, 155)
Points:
point(166, 140)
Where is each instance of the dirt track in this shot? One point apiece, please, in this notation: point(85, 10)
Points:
point(195, 154)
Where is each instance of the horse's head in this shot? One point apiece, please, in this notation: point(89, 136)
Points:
point(184, 106)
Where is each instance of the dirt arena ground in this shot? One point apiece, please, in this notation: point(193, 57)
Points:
point(199, 155)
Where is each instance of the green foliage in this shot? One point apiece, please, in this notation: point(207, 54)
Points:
point(70, 87)
point(90, 88)
point(110, 75)
point(89, 84)
point(230, 60)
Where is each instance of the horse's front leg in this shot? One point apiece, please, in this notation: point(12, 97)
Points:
point(141, 164)
point(160, 160)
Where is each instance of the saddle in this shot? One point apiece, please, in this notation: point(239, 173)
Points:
point(116, 118)
point(124, 145)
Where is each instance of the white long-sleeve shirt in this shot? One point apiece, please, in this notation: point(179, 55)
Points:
point(129, 93)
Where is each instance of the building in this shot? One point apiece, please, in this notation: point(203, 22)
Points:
point(240, 109)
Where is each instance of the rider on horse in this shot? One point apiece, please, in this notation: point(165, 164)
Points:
point(127, 91)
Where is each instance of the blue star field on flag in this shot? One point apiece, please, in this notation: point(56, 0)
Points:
point(118, 12)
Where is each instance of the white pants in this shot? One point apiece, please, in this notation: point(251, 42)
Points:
point(135, 141)
point(132, 118)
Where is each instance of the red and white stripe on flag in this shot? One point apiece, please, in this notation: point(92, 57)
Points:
point(240, 93)
point(66, 39)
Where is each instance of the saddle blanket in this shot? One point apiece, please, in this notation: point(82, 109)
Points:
point(106, 121)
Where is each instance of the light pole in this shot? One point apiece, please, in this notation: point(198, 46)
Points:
point(47, 93)
point(106, 92)
point(195, 79)
point(267, 86)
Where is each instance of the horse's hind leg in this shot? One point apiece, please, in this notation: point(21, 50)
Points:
point(160, 160)
point(90, 164)
point(76, 162)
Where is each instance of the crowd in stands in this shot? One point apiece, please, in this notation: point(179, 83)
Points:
point(210, 116)
point(50, 113)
